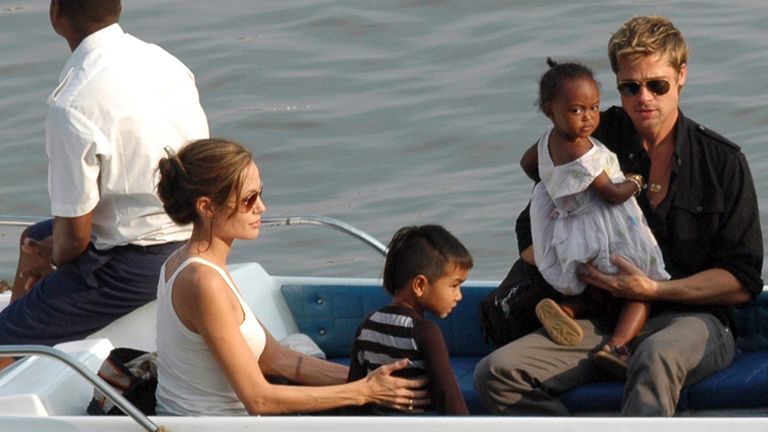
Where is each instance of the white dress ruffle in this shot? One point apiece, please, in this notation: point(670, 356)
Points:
point(571, 224)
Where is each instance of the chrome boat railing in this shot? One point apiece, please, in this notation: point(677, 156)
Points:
point(329, 222)
point(116, 398)
point(6, 220)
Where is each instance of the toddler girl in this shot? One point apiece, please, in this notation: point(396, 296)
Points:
point(584, 210)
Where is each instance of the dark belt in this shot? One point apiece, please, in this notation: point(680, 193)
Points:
point(154, 249)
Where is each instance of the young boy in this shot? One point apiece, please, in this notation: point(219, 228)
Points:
point(424, 270)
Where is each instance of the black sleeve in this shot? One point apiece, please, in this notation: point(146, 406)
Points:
point(444, 391)
point(523, 229)
point(738, 247)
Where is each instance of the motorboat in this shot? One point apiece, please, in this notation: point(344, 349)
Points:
point(49, 388)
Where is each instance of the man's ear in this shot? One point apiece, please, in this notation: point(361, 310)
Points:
point(419, 284)
point(54, 14)
point(682, 76)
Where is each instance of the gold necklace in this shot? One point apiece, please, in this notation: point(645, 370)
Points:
point(657, 187)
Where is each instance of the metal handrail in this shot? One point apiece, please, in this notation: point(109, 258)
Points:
point(267, 221)
point(327, 222)
point(115, 397)
point(19, 220)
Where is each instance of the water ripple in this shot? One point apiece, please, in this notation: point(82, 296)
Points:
point(387, 113)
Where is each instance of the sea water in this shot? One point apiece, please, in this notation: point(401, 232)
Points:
point(384, 113)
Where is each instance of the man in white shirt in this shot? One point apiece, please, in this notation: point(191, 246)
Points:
point(119, 103)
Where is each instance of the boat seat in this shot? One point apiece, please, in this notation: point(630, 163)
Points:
point(44, 386)
point(330, 315)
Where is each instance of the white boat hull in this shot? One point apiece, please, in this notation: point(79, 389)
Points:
point(386, 424)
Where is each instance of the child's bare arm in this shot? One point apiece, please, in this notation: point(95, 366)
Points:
point(530, 163)
point(617, 193)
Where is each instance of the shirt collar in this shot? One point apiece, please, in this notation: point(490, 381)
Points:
point(95, 40)
point(682, 145)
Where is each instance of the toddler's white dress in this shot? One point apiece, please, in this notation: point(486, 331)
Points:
point(571, 224)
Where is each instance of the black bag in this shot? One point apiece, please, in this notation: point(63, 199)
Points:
point(132, 373)
point(509, 311)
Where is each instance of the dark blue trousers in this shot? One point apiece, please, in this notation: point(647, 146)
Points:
point(83, 296)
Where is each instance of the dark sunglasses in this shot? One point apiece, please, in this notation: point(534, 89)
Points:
point(658, 87)
point(250, 200)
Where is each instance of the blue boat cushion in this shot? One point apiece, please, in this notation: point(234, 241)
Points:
point(752, 324)
point(330, 315)
point(600, 396)
point(464, 368)
point(744, 384)
point(604, 397)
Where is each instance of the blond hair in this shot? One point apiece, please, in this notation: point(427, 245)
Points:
point(648, 35)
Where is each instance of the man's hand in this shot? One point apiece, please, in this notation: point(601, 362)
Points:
point(629, 282)
point(35, 260)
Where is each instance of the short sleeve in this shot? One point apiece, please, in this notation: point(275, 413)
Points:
point(575, 176)
point(72, 144)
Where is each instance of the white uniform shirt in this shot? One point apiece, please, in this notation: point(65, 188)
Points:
point(120, 101)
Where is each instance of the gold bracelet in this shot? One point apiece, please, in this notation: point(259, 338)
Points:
point(634, 179)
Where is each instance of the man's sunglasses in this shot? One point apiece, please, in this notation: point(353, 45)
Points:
point(658, 87)
point(250, 200)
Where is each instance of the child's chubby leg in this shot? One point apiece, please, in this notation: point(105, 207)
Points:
point(631, 321)
point(558, 319)
point(614, 356)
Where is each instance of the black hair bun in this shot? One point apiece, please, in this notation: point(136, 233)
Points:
point(551, 63)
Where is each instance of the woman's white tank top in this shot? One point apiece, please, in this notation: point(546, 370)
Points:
point(190, 381)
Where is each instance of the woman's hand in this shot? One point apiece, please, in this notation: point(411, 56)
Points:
point(629, 282)
point(402, 394)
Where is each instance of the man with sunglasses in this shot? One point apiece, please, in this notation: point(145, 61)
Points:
point(701, 205)
point(119, 103)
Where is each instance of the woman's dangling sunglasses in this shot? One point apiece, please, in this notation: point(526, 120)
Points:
point(250, 200)
point(658, 87)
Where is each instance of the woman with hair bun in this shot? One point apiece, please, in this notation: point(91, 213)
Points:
point(213, 353)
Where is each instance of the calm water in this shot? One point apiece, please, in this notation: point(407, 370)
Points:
point(384, 113)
